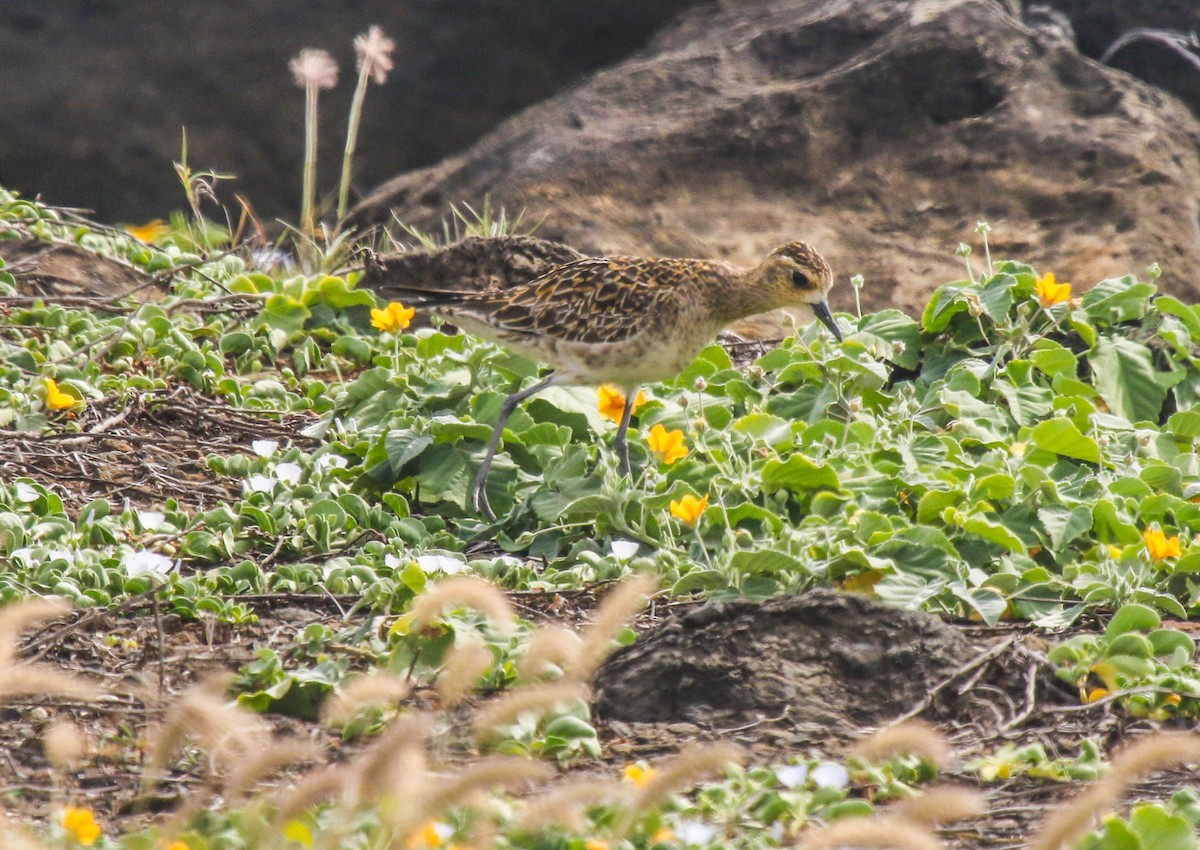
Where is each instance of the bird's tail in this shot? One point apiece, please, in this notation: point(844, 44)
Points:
point(393, 286)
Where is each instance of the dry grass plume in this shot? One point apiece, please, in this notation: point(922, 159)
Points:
point(679, 772)
point(549, 647)
point(912, 737)
point(367, 690)
point(461, 673)
point(464, 591)
point(618, 608)
point(1147, 755)
point(506, 709)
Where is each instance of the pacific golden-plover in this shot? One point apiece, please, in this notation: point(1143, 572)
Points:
point(626, 321)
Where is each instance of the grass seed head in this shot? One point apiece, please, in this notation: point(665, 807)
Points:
point(468, 592)
point(550, 645)
point(618, 608)
point(885, 833)
point(461, 673)
point(675, 774)
point(565, 804)
point(505, 710)
point(941, 805)
point(912, 737)
point(1063, 827)
point(64, 745)
point(371, 689)
point(19, 616)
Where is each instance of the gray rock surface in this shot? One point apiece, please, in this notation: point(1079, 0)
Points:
point(94, 92)
point(880, 131)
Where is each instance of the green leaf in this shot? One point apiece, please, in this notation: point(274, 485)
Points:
point(1060, 436)
point(766, 562)
point(1133, 617)
point(894, 326)
point(1124, 374)
point(993, 531)
point(1185, 424)
point(1161, 830)
point(1054, 359)
point(1065, 526)
point(798, 473)
point(946, 303)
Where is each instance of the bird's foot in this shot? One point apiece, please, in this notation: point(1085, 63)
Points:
point(479, 498)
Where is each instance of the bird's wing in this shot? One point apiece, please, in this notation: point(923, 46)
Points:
point(595, 300)
point(474, 264)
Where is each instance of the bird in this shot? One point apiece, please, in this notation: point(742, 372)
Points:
point(626, 321)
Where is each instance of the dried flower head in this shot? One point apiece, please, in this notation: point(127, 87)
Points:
point(314, 67)
point(64, 745)
point(912, 737)
point(357, 694)
point(462, 671)
point(374, 50)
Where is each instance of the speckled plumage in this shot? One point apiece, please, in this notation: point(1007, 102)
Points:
point(621, 320)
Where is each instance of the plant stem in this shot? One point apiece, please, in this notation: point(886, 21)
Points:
point(307, 217)
point(352, 140)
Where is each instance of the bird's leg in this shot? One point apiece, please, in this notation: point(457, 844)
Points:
point(479, 498)
point(620, 443)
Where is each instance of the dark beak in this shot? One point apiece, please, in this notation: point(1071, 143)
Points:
point(821, 311)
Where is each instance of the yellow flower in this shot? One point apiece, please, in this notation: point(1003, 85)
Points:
point(148, 232)
point(1050, 292)
point(393, 318)
point(596, 844)
point(689, 508)
point(297, 831)
point(1160, 546)
point(432, 835)
point(612, 402)
point(668, 445)
point(81, 825)
point(56, 399)
point(639, 774)
point(178, 845)
point(662, 836)
point(1095, 695)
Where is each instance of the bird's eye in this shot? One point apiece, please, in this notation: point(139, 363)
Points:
point(801, 280)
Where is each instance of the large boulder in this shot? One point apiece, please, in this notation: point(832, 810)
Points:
point(95, 92)
point(880, 131)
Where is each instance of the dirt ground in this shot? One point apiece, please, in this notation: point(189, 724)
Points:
point(790, 677)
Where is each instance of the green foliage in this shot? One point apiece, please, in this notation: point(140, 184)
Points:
point(1032, 760)
point(1151, 826)
point(1150, 668)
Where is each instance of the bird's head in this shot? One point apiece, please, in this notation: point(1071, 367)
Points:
point(796, 274)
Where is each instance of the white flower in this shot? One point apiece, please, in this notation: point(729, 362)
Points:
point(289, 473)
point(623, 550)
point(390, 560)
point(326, 461)
point(443, 830)
point(26, 492)
point(792, 776)
point(261, 483)
point(695, 832)
point(144, 563)
point(24, 555)
point(313, 67)
point(829, 774)
point(439, 564)
point(264, 448)
point(151, 519)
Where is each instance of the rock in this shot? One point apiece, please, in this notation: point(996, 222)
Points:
point(820, 659)
point(824, 663)
point(56, 270)
point(880, 131)
point(95, 93)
